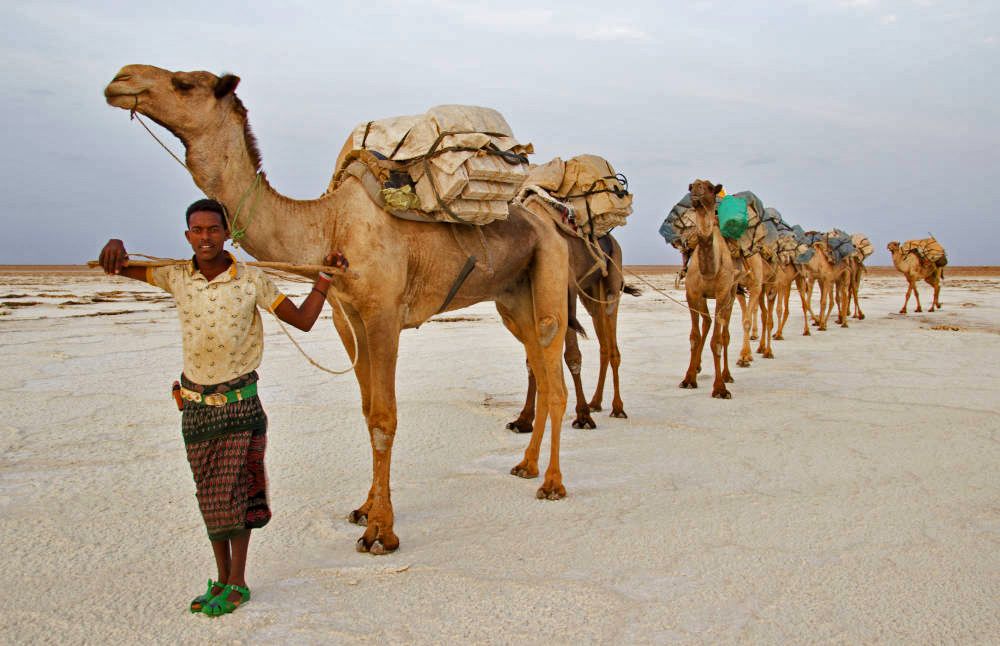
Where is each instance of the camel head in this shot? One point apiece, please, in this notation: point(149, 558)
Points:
point(188, 104)
point(893, 246)
point(703, 194)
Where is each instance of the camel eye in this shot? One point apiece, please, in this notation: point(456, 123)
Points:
point(182, 85)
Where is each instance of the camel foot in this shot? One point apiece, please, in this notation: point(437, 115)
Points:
point(778, 337)
point(727, 378)
point(584, 421)
point(821, 328)
point(743, 363)
point(525, 470)
point(721, 393)
point(918, 310)
point(844, 324)
point(753, 337)
point(902, 311)
point(358, 517)
point(689, 383)
point(619, 413)
point(381, 543)
point(861, 318)
point(768, 355)
point(520, 426)
point(807, 333)
point(551, 490)
point(595, 406)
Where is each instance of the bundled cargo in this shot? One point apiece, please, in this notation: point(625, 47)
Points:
point(863, 247)
point(680, 223)
point(927, 249)
point(456, 163)
point(598, 195)
point(787, 247)
point(840, 244)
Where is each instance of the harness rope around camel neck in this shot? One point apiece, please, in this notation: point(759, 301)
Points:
point(238, 233)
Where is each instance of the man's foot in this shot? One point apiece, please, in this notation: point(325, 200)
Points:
point(214, 589)
point(231, 598)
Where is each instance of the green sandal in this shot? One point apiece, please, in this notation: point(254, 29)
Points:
point(221, 605)
point(202, 600)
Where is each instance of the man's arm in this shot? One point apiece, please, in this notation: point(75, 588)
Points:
point(304, 316)
point(114, 260)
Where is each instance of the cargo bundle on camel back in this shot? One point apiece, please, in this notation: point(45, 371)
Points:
point(455, 163)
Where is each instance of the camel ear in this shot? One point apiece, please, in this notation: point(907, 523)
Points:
point(690, 187)
point(718, 188)
point(226, 85)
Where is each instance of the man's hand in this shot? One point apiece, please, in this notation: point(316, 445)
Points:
point(113, 257)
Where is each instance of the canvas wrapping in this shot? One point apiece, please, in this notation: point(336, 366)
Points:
point(679, 226)
point(927, 249)
point(589, 184)
point(460, 164)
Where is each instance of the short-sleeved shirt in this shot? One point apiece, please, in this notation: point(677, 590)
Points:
point(221, 328)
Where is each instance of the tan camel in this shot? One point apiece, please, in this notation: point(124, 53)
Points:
point(403, 269)
point(600, 296)
point(832, 278)
point(914, 269)
point(752, 281)
point(710, 274)
point(768, 295)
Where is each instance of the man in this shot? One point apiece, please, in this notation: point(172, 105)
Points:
point(223, 424)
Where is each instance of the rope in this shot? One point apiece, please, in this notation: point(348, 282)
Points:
point(256, 184)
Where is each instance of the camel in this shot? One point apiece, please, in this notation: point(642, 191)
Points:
point(857, 271)
point(914, 269)
point(710, 274)
point(787, 273)
point(768, 295)
point(403, 270)
point(832, 278)
point(600, 296)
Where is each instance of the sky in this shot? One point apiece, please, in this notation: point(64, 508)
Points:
point(872, 116)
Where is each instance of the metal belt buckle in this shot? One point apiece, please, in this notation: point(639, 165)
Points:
point(215, 399)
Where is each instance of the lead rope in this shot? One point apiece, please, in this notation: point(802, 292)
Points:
point(354, 335)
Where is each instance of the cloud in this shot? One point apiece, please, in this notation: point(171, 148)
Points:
point(540, 21)
point(888, 19)
point(760, 161)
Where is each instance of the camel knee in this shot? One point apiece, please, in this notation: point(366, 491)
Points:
point(381, 437)
point(548, 327)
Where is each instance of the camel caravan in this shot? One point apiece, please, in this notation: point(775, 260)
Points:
point(439, 211)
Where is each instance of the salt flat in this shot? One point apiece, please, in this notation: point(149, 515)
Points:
point(848, 493)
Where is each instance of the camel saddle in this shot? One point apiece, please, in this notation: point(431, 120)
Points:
point(598, 195)
point(927, 249)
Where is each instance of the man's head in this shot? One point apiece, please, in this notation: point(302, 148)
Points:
point(207, 229)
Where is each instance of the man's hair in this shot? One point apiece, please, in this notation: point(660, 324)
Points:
point(207, 205)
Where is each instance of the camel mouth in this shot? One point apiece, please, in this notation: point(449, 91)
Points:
point(121, 99)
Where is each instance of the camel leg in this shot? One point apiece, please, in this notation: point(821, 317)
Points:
point(843, 302)
point(600, 329)
point(723, 308)
point(697, 338)
point(805, 296)
point(727, 377)
point(824, 296)
point(617, 405)
point(523, 422)
point(763, 320)
point(855, 290)
point(606, 327)
point(574, 361)
point(768, 324)
point(362, 372)
point(539, 317)
point(937, 290)
point(379, 537)
point(916, 295)
point(906, 301)
point(783, 301)
point(747, 307)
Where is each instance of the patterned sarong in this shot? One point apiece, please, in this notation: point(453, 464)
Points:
point(225, 448)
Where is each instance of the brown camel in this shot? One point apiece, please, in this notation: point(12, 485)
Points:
point(914, 269)
point(600, 296)
point(752, 281)
point(710, 275)
point(403, 269)
point(787, 272)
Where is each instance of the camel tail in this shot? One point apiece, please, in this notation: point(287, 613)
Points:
point(631, 290)
point(575, 325)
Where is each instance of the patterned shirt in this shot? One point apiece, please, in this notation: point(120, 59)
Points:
point(220, 325)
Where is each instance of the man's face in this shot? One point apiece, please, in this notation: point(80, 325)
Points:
point(206, 234)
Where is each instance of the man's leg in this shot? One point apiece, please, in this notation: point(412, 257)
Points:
point(223, 563)
point(238, 564)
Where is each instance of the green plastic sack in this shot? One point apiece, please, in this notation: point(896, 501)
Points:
point(732, 217)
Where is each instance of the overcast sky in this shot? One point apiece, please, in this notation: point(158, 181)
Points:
point(874, 116)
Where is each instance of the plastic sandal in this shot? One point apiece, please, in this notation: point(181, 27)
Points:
point(221, 605)
point(202, 600)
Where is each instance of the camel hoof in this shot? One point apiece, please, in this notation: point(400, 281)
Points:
point(728, 379)
point(358, 518)
point(585, 422)
point(807, 333)
point(861, 318)
point(768, 355)
point(518, 426)
point(722, 394)
point(557, 492)
point(689, 384)
point(918, 310)
point(753, 337)
point(620, 414)
point(595, 407)
point(376, 547)
point(524, 471)
point(743, 363)
point(778, 337)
